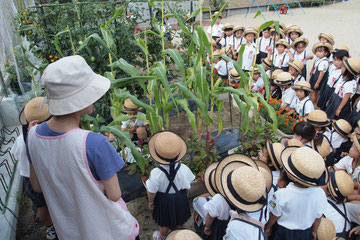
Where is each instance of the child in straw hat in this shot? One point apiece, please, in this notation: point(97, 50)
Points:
point(293, 32)
point(249, 51)
point(302, 104)
point(211, 210)
point(61, 152)
point(216, 31)
point(319, 71)
point(220, 65)
point(234, 78)
point(338, 105)
point(245, 188)
point(168, 183)
point(335, 74)
point(281, 56)
point(276, 92)
point(227, 37)
point(238, 40)
point(298, 207)
point(265, 43)
point(136, 127)
point(183, 234)
point(31, 115)
point(257, 84)
point(300, 53)
point(295, 69)
point(284, 80)
point(338, 210)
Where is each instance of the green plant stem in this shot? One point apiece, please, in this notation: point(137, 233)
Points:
point(108, 45)
point(71, 40)
point(162, 30)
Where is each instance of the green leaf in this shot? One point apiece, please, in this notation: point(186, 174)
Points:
point(218, 14)
point(126, 67)
point(257, 14)
point(56, 38)
point(125, 138)
point(97, 38)
point(265, 77)
point(191, 116)
point(118, 12)
point(160, 72)
point(179, 61)
point(220, 106)
point(107, 36)
point(26, 28)
point(121, 82)
point(203, 37)
point(265, 25)
point(141, 45)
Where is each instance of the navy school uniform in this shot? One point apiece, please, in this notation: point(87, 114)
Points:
point(320, 65)
point(329, 88)
point(354, 116)
point(263, 46)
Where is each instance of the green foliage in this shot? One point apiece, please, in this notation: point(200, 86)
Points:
point(201, 153)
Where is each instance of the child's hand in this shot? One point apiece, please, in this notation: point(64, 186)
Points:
point(207, 230)
point(316, 87)
point(132, 129)
point(338, 111)
point(355, 230)
point(344, 154)
point(32, 124)
point(314, 235)
point(151, 205)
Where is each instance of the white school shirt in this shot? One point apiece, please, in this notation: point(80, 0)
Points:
point(297, 208)
point(281, 60)
point(339, 221)
point(218, 207)
point(158, 182)
point(19, 152)
point(257, 85)
point(343, 87)
point(276, 175)
point(221, 67)
point(288, 95)
point(358, 85)
point(248, 56)
point(216, 30)
point(298, 79)
point(301, 57)
point(321, 64)
point(238, 42)
point(289, 40)
point(334, 77)
point(136, 123)
point(237, 230)
point(336, 139)
point(228, 40)
point(230, 65)
point(358, 106)
point(300, 108)
point(265, 44)
point(346, 164)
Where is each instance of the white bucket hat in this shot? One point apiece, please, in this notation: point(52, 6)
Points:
point(71, 85)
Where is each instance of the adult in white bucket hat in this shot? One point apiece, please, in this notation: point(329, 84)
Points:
point(76, 169)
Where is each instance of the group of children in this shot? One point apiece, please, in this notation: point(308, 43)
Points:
point(333, 80)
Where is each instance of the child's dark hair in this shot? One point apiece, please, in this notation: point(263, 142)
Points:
point(284, 178)
point(340, 54)
point(267, 29)
point(305, 130)
point(347, 75)
point(325, 49)
point(298, 43)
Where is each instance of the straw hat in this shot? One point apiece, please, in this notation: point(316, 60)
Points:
point(321, 44)
point(328, 37)
point(318, 118)
point(297, 65)
point(166, 147)
point(129, 106)
point(342, 127)
point(244, 187)
point(255, 69)
point(250, 30)
point(217, 53)
point(217, 13)
point(275, 73)
point(71, 85)
point(267, 62)
point(237, 28)
point(239, 159)
point(324, 148)
point(225, 50)
point(340, 47)
point(282, 42)
point(298, 40)
point(183, 234)
point(33, 111)
point(340, 185)
point(287, 28)
point(302, 85)
point(356, 140)
point(234, 74)
point(281, 26)
point(267, 174)
point(209, 178)
point(282, 33)
point(293, 142)
point(213, 43)
point(284, 78)
point(326, 229)
point(352, 65)
point(296, 29)
point(274, 150)
point(305, 166)
point(228, 26)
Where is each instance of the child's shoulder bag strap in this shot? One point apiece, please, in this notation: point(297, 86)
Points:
point(303, 110)
point(252, 222)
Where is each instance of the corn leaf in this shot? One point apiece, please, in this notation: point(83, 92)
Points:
point(191, 116)
point(116, 83)
point(218, 14)
point(56, 38)
point(178, 60)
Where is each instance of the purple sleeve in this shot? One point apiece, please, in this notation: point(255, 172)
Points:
point(103, 160)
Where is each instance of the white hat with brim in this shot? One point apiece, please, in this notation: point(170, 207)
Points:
point(321, 44)
point(244, 186)
point(166, 147)
point(71, 85)
point(305, 166)
point(239, 158)
point(274, 150)
point(182, 234)
point(209, 177)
